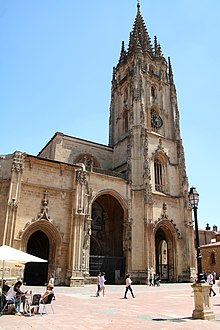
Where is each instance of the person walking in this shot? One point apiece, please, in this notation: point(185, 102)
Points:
point(98, 284)
point(128, 282)
point(102, 281)
point(151, 280)
point(214, 277)
point(210, 282)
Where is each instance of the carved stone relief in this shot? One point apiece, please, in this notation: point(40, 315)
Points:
point(165, 217)
point(18, 162)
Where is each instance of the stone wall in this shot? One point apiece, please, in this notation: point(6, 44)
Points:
point(210, 257)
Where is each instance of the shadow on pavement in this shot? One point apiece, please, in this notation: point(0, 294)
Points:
point(177, 320)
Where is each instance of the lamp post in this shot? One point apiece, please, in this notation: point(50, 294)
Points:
point(194, 201)
point(201, 288)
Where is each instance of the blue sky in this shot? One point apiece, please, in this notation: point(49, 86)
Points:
point(56, 65)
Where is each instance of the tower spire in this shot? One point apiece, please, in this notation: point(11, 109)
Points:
point(139, 36)
point(157, 48)
point(123, 54)
point(170, 71)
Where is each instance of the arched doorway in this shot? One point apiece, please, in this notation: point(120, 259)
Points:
point(165, 254)
point(36, 273)
point(106, 243)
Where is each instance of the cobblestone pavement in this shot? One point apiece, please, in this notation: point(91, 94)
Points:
point(169, 306)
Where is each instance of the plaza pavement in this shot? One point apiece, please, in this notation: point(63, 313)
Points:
point(169, 306)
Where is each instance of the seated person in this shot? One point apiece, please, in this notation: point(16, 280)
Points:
point(47, 292)
point(44, 297)
point(15, 295)
point(5, 287)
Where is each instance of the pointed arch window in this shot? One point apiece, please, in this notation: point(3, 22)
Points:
point(153, 92)
point(151, 69)
point(159, 174)
point(88, 160)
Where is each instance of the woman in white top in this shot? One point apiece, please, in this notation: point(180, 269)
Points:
point(102, 281)
point(128, 286)
point(51, 283)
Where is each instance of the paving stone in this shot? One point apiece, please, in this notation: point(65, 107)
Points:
point(169, 306)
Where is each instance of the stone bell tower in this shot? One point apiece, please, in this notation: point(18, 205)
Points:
point(144, 132)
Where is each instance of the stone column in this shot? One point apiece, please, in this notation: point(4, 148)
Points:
point(13, 198)
point(202, 302)
point(80, 230)
point(77, 278)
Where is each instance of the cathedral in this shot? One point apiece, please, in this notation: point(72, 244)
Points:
point(122, 207)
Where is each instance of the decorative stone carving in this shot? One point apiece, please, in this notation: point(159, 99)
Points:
point(88, 160)
point(164, 209)
point(83, 192)
point(165, 217)
point(81, 177)
point(127, 235)
point(160, 150)
point(148, 198)
point(18, 162)
point(13, 203)
point(43, 215)
point(129, 145)
point(182, 166)
point(62, 195)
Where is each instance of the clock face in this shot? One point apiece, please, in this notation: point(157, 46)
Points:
point(156, 120)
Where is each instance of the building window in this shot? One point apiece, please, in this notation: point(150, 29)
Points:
point(212, 258)
point(125, 121)
point(159, 175)
point(88, 160)
point(153, 93)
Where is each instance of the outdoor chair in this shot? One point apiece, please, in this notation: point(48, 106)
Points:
point(34, 306)
point(47, 301)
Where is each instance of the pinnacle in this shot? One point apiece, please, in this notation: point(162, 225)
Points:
point(139, 34)
point(123, 54)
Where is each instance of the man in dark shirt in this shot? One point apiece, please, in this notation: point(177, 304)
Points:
point(5, 287)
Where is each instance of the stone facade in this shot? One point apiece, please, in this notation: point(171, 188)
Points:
point(119, 208)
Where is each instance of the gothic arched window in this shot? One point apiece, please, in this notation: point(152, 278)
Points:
point(88, 160)
point(159, 174)
point(153, 92)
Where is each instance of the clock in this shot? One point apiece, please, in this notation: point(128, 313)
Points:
point(156, 120)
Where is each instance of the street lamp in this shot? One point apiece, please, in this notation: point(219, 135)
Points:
point(194, 201)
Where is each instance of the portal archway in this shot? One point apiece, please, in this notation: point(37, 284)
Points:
point(165, 250)
point(36, 272)
point(51, 237)
point(106, 243)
